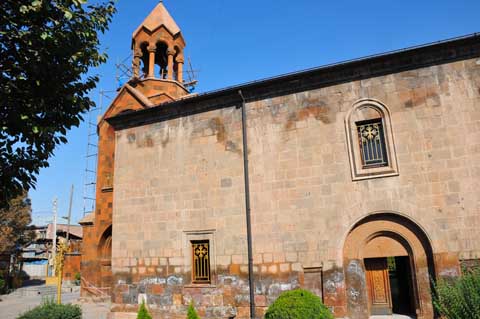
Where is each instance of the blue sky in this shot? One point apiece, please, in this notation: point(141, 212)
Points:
point(231, 42)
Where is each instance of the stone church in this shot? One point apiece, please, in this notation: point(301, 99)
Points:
point(361, 181)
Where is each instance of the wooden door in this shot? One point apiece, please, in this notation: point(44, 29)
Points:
point(378, 286)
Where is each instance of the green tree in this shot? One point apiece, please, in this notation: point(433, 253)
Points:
point(47, 48)
point(192, 314)
point(143, 312)
point(13, 224)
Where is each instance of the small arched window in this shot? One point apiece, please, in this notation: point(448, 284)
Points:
point(370, 140)
point(144, 58)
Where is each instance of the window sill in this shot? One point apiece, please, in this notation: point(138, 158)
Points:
point(364, 176)
point(106, 262)
point(200, 286)
point(107, 189)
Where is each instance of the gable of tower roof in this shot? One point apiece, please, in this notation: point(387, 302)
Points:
point(158, 17)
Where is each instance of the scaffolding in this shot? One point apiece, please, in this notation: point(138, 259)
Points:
point(91, 156)
point(191, 76)
point(123, 74)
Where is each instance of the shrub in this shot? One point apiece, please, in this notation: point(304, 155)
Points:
point(143, 312)
point(298, 304)
point(3, 283)
point(192, 314)
point(78, 278)
point(50, 310)
point(458, 298)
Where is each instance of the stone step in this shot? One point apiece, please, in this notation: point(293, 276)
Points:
point(35, 291)
point(42, 291)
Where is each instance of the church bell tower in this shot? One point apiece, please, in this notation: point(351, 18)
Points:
point(157, 67)
point(158, 59)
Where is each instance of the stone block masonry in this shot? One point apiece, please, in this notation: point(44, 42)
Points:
point(185, 175)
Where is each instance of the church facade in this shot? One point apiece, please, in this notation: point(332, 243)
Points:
point(363, 183)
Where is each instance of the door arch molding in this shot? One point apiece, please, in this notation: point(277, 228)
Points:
point(397, 229)
point(105, 244)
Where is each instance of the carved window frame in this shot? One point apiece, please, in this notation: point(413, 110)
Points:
point(354, 116)
point(201, 262)
point(196, 236)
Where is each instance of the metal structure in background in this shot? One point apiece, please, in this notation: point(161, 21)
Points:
point(69, 216)
point(191, 77)
point(123, 74)
point(91, 157)
point(54, 239)
point(90, 173)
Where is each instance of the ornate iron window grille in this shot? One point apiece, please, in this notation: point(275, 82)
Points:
point(372, 143)
point(201, 262)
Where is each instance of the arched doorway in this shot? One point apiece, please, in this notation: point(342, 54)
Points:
point(104, 253)
point(388, 262)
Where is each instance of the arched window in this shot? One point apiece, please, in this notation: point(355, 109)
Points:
point(161, 60)
point(144, 59)
point(370, 140)
point(176, 76)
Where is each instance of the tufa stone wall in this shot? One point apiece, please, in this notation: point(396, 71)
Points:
point(185, 175)
point(71, 266)
point(96, 263)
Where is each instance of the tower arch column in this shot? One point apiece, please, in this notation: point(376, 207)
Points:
point(137, 56)
point(151, 65)
point(170, 53)
point(180, 62)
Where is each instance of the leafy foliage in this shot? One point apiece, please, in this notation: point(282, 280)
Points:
point(459, 298)
point(13, 224)
point(143, 312)
point(298, 304)
point(46, 50)
point(2, 285)
point(192, 314)
point(4, 281)
point(50, 310)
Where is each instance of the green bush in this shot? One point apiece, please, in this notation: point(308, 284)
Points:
point(459, 298)
point(143, 312)
point(192, 314)
point(78, 278)
point(3, 283)
point(50, 310)
point(298, 304)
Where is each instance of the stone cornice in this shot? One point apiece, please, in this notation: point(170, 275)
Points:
point(373, 66)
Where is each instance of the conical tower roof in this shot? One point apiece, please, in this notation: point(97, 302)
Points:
point(158, 17)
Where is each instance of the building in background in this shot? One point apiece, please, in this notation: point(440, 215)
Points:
point(364, 182)
point(37, 260)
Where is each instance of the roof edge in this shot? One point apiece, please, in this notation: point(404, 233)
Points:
point(440, 52)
